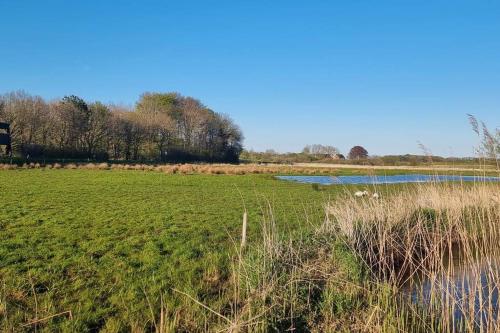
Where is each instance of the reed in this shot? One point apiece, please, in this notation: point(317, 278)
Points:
point(185, 169)
point(434, 248)
point(423, 259)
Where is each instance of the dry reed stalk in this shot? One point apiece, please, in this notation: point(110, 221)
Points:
point(36, 321)
point(244, 231)
point(407, 234)
point(217, 169)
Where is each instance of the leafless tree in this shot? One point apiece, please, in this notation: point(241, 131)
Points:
point(162, 126)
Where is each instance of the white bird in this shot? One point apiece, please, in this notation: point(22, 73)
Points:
point(360, 194)
point(375, 195)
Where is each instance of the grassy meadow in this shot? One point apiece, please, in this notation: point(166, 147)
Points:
point(130, 250)
point(101, 243)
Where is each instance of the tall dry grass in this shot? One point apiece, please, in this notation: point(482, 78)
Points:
point(432, 252)
point(185, 169)
point(421, 259)
point(281, 284)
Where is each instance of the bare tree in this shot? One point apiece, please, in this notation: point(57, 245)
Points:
point(161, 126)
point(97, 128)
point(318, 149)
point(27, 116)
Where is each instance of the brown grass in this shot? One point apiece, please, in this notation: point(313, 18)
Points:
point(445, 234)
point(185, 169)
point(436, 232)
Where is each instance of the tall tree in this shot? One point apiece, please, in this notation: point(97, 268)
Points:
point(27, 116)
point(75, 114)
point(358, 152)
point(98, 123)
point(318, 149)
point(162, 126)
point(156, 112)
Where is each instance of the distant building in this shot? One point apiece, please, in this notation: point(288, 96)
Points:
point(338, 157)
point(332, 156)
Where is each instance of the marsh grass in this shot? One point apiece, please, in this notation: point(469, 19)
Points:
point(239, 169)
point(278, 284)
point(422, 259)
point(416, 240)
point(366, 265)
point(184, 169)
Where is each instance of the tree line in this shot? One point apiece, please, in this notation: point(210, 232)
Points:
point(310, 153)
point(160, 127)
point(318, 149)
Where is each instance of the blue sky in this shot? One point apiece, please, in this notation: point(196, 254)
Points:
point(382, 74)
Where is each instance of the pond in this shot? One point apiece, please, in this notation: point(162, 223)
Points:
point(469, 291)
point(396, 179)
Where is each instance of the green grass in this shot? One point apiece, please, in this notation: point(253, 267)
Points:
point(105, 244)
point(111, 246)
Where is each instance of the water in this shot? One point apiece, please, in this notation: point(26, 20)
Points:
point(470, 291)
point(396, 179)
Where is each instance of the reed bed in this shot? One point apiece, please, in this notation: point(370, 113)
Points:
point(279, 284)
point(185, 169)
point(435, 248)
point(422, 259)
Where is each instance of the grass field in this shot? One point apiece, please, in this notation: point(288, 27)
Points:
point(126, 250)
point(100, 243)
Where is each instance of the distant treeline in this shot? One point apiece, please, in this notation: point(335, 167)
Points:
point(271, 156)
point(166, 127)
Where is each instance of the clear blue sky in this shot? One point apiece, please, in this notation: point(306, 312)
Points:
point(382, 74)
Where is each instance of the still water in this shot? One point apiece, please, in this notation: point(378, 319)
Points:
point(468, 292)
point(396, 179)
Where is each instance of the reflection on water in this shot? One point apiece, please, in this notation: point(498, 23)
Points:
point(466, 292)
point(397, 179)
